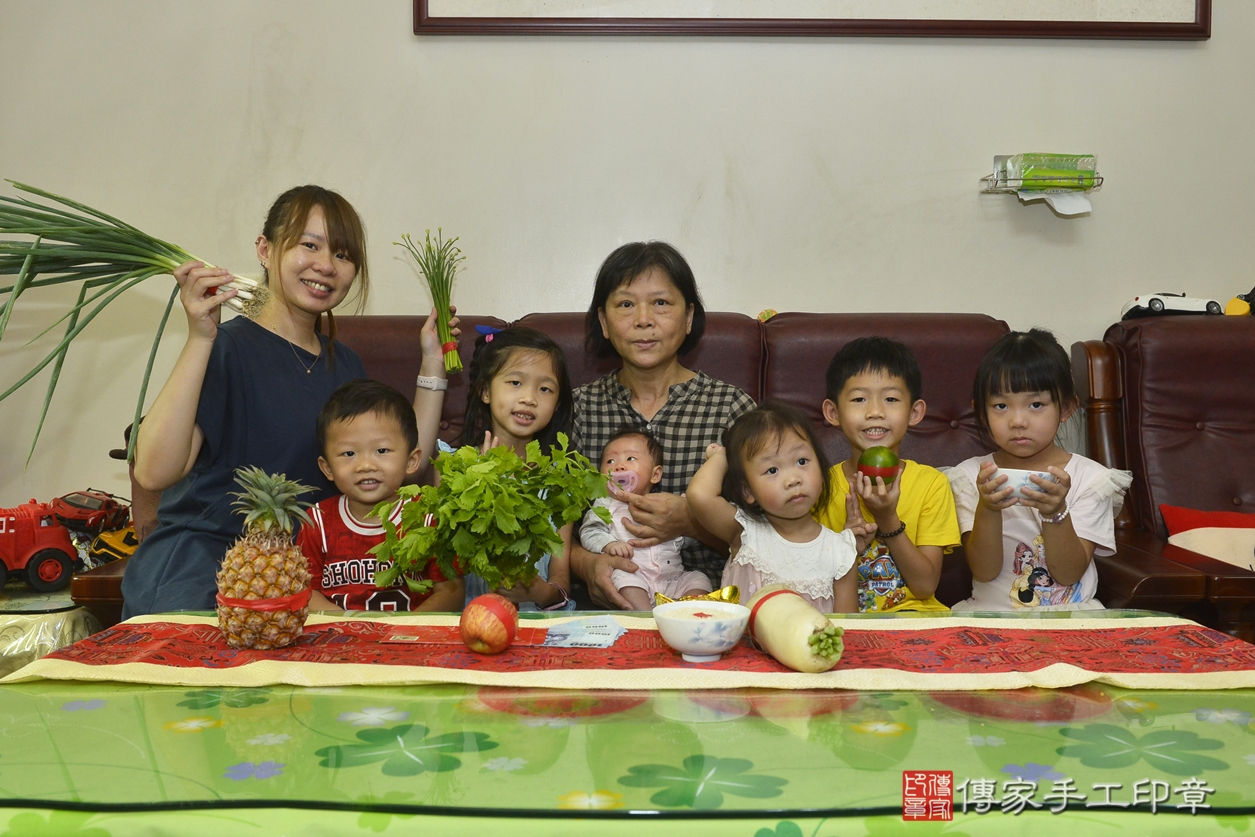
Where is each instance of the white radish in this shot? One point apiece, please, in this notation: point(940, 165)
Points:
point(784, 624)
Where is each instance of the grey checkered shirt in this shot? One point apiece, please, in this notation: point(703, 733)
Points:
point(696, 414)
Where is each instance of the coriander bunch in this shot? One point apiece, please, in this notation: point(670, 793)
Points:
point(495, 514)
point(439, 260)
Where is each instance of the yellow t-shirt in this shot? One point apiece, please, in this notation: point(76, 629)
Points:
point(926, 506)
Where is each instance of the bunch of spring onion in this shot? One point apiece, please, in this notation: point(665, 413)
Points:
point(438, 260)
point(827, 643)
point(66, 242)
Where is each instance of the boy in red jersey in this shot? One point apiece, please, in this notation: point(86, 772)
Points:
point(369, 441)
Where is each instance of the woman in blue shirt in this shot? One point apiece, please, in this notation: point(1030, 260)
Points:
point(244, 392)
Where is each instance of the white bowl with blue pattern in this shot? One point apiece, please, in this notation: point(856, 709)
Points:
point(1018, 479)
point(701, 631)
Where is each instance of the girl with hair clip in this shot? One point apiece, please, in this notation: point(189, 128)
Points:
point(1035, 550)
point(758, 491)
point(519, 391)
point(244, 392)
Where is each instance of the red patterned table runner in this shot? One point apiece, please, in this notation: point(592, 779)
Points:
point(1177, 649)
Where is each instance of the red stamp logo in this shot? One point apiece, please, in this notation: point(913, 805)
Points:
point(928, 795)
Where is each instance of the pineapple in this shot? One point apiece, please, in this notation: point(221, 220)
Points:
point(265, 563)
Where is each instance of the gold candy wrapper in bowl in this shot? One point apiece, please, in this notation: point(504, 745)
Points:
point(730, 594)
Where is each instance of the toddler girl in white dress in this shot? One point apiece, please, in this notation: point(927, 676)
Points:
point(758, 491)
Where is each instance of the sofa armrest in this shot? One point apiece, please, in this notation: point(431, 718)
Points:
point(1098, 376)
point(1140, 578)
point(1230, 598)
point(1224, 580)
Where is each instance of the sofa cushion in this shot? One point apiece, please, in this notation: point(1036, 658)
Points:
point(949, 348)
point(1225, 536)
point(1189, 420)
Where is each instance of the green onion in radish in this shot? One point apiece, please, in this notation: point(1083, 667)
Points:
point(438, 260)
point(789, 628)
point(70, 242)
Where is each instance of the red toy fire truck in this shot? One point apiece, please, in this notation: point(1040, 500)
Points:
point(34, 541)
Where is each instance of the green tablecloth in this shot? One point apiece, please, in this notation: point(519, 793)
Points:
point(97, 759)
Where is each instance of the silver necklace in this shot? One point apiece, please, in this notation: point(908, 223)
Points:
point(308, 369)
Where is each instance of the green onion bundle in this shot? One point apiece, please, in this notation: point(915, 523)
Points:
point(827, 643)
point(438, 260)
point(69, 242)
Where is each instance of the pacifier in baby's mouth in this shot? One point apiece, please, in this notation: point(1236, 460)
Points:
point(625, 480)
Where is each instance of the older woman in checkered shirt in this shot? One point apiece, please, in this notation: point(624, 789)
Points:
point(647, 311)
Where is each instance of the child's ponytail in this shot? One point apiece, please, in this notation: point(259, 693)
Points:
point(492, 352)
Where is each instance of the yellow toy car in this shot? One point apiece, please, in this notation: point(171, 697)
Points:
point(110, 546)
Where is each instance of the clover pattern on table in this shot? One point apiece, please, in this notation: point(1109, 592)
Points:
point(1171, 751)
point(236, 698)
point(701, 782)
point(787, 828)
point(405, 750)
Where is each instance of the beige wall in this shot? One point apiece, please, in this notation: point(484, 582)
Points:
point(834, 175)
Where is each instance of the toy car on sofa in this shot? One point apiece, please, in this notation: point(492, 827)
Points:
point(32, 541)
point(92, 511)
point(1153, 305)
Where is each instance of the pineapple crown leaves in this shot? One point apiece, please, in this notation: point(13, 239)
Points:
point(269, 501)
point(496, 513)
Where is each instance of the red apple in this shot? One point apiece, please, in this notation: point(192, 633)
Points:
point(489, 624)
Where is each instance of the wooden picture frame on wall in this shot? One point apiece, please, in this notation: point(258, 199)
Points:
point(1127, 19)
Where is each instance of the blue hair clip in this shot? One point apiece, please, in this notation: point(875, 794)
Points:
point(488, 332)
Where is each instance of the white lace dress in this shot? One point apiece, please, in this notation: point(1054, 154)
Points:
point(764, 557)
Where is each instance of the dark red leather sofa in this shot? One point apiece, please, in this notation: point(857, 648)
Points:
point(784, 358)
point(1172, 399)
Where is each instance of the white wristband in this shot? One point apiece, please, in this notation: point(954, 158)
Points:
point(435, 384)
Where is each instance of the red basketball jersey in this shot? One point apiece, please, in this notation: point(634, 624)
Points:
point(341, 565)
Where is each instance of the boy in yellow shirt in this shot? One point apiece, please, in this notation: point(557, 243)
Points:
point(873, 388)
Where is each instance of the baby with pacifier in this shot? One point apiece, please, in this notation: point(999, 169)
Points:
point(633, 460)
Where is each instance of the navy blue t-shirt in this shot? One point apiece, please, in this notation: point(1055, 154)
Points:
point(258, 406)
